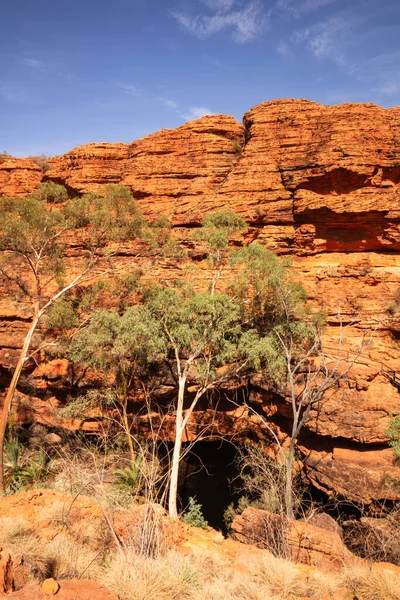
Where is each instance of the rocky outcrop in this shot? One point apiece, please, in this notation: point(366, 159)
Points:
point(320, 183)
point(18, 176)
point(301, 541)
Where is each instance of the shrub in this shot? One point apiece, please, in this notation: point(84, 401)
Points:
point(237, 147)
point(42, 162)
point(130, 476)
point(193, 515)
point(393, 433)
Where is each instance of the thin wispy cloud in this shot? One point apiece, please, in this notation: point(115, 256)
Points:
point(323, 39)
point(13, 94)
point(196, 112)
point(339, 37)
point(132, 90)
point(246, 21)
point(297, 8)
point(33, 63)
point(188, 114)
point(219, 5)
point(170, 103)
point(284, 49)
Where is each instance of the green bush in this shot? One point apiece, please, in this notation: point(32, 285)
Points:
point(130, 477)
point(393, 433)
point(193, 515)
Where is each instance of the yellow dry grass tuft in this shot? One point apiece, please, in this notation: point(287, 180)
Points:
point(280, 577)
point(372, 583)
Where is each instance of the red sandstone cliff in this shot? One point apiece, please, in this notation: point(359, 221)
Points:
point(320, 183)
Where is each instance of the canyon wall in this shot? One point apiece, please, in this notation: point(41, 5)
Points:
point(318, 183)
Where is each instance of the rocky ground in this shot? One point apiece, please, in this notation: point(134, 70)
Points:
point(55, 543)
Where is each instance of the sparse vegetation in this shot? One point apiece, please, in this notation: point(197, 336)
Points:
point(42, 161)
point(393, 433)
point(237, 147)
point(193, 515)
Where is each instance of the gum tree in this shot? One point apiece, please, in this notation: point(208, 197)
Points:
point(34, 233)
point(203, 332)
point(291, 354)
point(121, 347)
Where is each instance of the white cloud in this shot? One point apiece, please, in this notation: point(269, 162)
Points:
point(32, 63)
point(388, 88)
point(188, 114)
point(169, 103)
point(219, 5)
point(297, 8)
point(284, 50)
point(247, 22)
point(130, 89)
point(196, 112)
point(340, 38)
point(323, 38)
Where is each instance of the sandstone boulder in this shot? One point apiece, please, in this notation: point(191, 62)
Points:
point(301, 541)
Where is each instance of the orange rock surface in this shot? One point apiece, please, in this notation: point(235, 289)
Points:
point(306, 542)
point(321, 183)
point(74, 589)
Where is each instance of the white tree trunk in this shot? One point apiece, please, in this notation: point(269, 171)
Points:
point(176, 456)
point(10, 395)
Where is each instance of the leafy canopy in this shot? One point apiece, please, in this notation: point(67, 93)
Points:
point(120, 345)
point(34, 232)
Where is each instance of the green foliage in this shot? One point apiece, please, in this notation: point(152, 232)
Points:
point(276, 303)
point(26, 225)
point(50, 192)
point(393, 433)
point(232, 511)
point(122, 344)
point(34, 232)
point(130, 477)
point(62, 316)
point(23, 469)
point(193, 515)
point(201, 325)
point(216, 228)
point(113, 217)
point(94, 398)
point(237, 147)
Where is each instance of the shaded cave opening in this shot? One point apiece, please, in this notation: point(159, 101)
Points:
point(209, 473)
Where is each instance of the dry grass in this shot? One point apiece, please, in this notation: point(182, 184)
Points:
point(323, 585)
point(280, 577)
point(69, 560)
point(176, 576)
point(370, 583)
point(61, 558)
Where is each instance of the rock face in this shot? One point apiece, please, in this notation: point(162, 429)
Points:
point(320, 183)
point(304, 542)
point(18, 176)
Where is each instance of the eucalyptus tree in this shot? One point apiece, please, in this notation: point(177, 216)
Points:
point(120, 348)
point(34, 234)
point(203, 332)
point(290, 351)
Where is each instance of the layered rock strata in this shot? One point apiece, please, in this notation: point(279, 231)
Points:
point(318, 183)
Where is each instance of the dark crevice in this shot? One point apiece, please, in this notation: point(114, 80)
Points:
point(72, 192)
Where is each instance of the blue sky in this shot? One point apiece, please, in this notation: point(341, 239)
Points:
point(77, 71)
